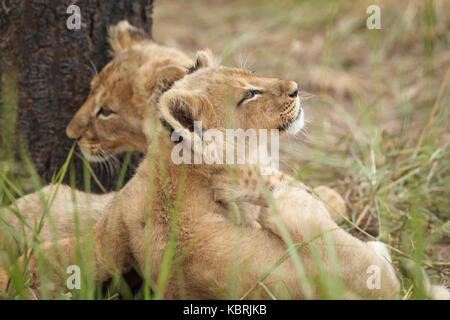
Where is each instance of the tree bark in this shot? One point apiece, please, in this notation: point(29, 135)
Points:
point(54, 66)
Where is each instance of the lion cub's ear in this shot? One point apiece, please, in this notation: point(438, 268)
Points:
point(166, 76)
point(180, 108)
point(123, 35)
point(204, 59)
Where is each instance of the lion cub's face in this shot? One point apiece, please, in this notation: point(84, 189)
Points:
point(223, 98)
point(124, 93)
point(109, 121)
point(254, 102)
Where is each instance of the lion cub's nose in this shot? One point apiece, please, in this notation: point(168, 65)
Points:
point(292, 89)
point(74, 128)
point(293, 94)
point(71, 132)
point(78, 124)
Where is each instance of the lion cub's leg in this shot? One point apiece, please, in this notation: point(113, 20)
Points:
point(57, 207)
point(108, 243)
point(306, 219)
point(246, 184)
point(246, 187)
point(333, 201)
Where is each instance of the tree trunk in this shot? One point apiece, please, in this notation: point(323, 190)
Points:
point(54, 66)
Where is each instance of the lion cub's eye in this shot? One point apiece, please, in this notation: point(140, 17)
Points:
point(104, 112)
point(252, 93)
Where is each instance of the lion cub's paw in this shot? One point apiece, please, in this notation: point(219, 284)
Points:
point(250, 184)
point(334, 203)
point(437, 292)
point(238, 185)
point(223, 189)
point(380, 249)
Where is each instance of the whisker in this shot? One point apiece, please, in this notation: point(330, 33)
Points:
point(305, 136)
point(79, 155)
point(103, 168)
point(107, 164)
point(116, 163)
point(94, 67)
point(244, 61)
point(113, 163)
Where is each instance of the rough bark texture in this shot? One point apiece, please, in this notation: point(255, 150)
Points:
point(55, 69)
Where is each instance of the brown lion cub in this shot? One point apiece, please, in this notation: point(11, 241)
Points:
point(110, 121)
point(216, 258)
point(125, 93)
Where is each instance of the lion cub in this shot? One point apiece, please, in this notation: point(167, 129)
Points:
point(110, 121)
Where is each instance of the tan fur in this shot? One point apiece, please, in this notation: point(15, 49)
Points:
point(248, 185)
point(61, 205)
point(217, 257)
point(130, 85)
point(334, 203)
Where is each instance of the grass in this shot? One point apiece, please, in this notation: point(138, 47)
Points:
point(377, 118)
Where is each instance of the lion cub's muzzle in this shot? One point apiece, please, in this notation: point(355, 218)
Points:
point(93, 152)
point(292, 118)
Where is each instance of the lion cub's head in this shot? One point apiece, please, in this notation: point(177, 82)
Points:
point(229, 98)
point(125, 91)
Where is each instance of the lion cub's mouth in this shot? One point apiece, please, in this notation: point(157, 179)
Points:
point(293, 127)
point(99, 156)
